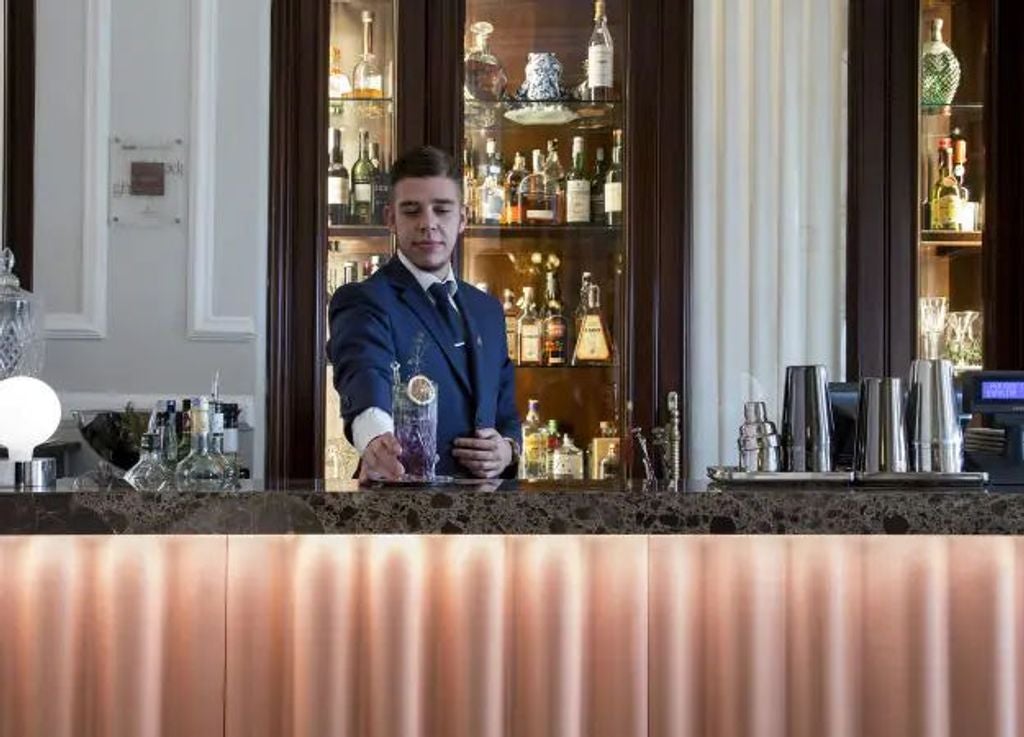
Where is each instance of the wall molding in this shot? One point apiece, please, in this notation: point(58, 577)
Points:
point(203, 322)
point(91, 322)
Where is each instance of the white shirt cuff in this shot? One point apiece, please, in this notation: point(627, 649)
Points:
point(370, 423)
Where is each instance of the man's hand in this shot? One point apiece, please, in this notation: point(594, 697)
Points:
point(380, 459)
point(486, 454)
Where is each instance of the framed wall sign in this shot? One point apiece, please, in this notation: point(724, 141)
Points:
point(147, 183)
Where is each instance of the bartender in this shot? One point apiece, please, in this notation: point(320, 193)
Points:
point(416, 312)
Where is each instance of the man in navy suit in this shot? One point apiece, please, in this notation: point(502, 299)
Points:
point(416, 312)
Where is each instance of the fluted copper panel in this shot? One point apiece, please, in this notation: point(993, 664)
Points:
point(421, 636)
point(111, 636)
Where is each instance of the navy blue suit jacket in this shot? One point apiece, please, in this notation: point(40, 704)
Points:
point(389, 318)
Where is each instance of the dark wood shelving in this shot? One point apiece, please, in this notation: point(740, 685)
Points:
point(541, 231)
point(946, 243)
point(358, 231)
point(589, 367)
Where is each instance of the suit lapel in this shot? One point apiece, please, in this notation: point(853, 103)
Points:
point(417, 300)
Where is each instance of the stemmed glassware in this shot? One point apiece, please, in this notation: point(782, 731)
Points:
point(932, 318)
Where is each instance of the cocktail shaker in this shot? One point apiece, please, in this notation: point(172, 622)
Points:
point(807, 420)
point(881, 444)
point(758, 443)
point(936, 443)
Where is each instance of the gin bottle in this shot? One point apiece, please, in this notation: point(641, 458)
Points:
point(202, 469)
point(534, 444)
point(150, 473)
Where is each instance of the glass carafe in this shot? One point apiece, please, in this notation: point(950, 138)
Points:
point(21, 341)
point(485, 76)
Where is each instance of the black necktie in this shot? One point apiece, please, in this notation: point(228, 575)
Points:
point(440, 292)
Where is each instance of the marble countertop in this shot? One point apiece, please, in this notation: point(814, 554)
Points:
point(551, 508)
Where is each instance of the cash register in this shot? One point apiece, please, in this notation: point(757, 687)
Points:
point(994, 436)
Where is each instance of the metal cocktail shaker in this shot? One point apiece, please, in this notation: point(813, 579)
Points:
point(936, 443)
point(758, 442)
point(881, 444)
point(807, 420)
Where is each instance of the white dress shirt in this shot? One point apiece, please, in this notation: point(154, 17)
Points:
point(374, 421)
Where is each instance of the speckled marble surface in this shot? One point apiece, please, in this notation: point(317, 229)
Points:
point(542, 509)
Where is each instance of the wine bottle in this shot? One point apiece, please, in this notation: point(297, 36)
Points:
point(362, 183)
point(337, 184)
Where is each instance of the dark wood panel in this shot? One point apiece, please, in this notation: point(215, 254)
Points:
point(1003, 253)
point(882, 201)
point(19, 134)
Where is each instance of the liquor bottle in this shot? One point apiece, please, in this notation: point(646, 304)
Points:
point(338, 84)
point(538, 195)
point(555, 173)
point(491, 193)
point(613, 184)
point(512, 182)
point(367, 81)
point(568, 461)
point(362, 183)
point(469, 185)
point(551, 445)
point(968, 209)
point(150, 473)
point(217, 443)
point(940, 70)
point(946, 200)
point(185, 428)
point(600, 57)
point(201, 469)
point(611, 466)
point(167, 427)
point(511, 325)
point(577, 187)
point(534, 446)
point(555, 327)
point(531, 330)
point(593, 345)
point(231, 413)
point(581, 304)
point(338, 186)
point(597, 214)
point(381, 183)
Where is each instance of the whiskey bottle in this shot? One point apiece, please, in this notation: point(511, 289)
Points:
point(491, 197)
point(531, 328)
point(367, 81)
point(613, 184)
point(534, 445)
point(201, 469)
point(947, 200)
point(469, 185)
point(362, 183)
point(600, 57)
point(511, 325)
point(337, 184)
point(577, 187)
point(597, 214)
point(593, 345)
point(381, 183)
point(512, 182)
point(555, 327)
point(538, 196)
point(555, 173)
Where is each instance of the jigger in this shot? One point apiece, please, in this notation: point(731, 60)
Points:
point(881, 436)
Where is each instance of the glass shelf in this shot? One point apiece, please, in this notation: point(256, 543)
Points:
point(589, 367)
point(358, 231)
point(955, 108)
point(542, 231)
point(558, 114)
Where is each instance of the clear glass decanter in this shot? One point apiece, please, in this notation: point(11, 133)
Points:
point(21, 340)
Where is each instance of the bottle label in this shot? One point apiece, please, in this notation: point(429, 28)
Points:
point(335, 191)
point(946, 213)
point(540, 215)
point(577, 201)
point(230, 440)
point(364, 192)
point(554, 342)
point(512, 338)
point(592, 344)
point(529, 344)
point(613, 197)
point(599, 66)
point(533, 447)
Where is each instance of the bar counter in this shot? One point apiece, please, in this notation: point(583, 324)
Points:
point(296, 612)
point(575, 508)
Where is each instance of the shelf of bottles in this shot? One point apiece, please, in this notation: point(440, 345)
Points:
point(360, 146)
point(544, 161)
point(951, 154)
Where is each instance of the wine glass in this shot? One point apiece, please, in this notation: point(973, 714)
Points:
point(932, 315)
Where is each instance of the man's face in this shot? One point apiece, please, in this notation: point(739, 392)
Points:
point(427, 216)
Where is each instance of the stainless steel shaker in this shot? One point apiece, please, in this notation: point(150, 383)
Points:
point(881, 441)
point(933, 427)
point(807, 420)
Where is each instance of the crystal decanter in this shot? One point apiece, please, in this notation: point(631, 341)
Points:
point(21, 341)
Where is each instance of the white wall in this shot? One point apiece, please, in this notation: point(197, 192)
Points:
point(769, 207)
point(148, 312)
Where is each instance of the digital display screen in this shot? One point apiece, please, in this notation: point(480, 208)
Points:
point(1003, 390)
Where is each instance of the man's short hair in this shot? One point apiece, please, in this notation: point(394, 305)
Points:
point(425, 161)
